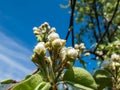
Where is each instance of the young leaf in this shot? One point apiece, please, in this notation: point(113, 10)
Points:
point(43, 86)
point(8, 81)
point(103, 79)
point(78, 86)
point(30, 83)
point(80, 76)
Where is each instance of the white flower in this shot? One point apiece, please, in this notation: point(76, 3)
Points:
point(82, 46)
point(40, 48)
point(105, 13)
point(117, 44)
point(115, 64)
point(118, 27)
point(58, 43)
point(87, 54)
point(35, 28)
point(115, 57)
point(68, 53)
point(76, 46)
point(40, 45)
point(46, 24)
point(72, 53)
point(63, 53)
point(53, 29)
point(99, 52)
point(97, 58)
point(48, 27)
point(52, 36)
point(36, 31)
point(107, 18)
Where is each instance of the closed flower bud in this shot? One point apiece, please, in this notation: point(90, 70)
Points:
point(36, 32)
point(35, 28)
point(40, 48)
point(87, 54)
point(97, 58)
point(76, 46)
point(63, 53)
point(48, 27)
point(46, 24)
point(99, 52)
point(52, 36)
point(118, 27)
point(72, 53)
point(82, 46)
point(115, 57)
point(53, 29)
point(117, 44)
point(58, 43)
point(47, 44)
point(115, 64)
point(34, 59)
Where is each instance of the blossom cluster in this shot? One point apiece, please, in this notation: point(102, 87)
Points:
point(49, 40)
point(50, 54)
point(111, 55)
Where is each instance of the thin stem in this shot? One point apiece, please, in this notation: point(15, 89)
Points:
point(97, 18)
point(35, 71)
point(73, 2)
point(115, 30)
point(60, 69)
point(94, 30)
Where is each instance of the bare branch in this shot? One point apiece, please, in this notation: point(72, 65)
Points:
point(115, 30)
point(73, 2)
point(94, 31)
point(97, 18)
point(114, 13)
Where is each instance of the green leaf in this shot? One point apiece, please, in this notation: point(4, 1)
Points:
point(40, 86)
point(43, 86)
point(8, 81)
point(30, 83)
point(80, 76)
point(103, 79)
point(28, 76)
point(78, 86)
point(90, 1)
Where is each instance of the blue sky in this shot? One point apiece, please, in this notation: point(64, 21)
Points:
point(17, 18)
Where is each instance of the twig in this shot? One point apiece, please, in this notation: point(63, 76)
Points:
point(115, 30)
point(94, 31)
point(60, 69)
point(97, 18)
point(35, 71)
point(114, 13)
point(73, 2)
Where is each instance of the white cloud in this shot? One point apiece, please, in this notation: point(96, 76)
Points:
point(14, 58)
